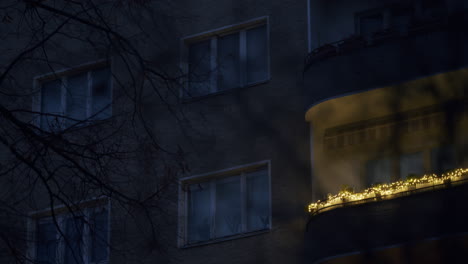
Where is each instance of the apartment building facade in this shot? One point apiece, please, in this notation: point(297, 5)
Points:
point(256, 109)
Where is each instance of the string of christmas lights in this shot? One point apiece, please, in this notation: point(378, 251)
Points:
point(389, 190)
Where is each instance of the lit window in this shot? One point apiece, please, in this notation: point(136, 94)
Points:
point(74, 98)
point(226, 206)
point(231, 58)
point(76, 238)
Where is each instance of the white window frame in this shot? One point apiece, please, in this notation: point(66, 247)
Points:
point(61, 213)
point(213, 35)
point(210, 178)
point(63, 76)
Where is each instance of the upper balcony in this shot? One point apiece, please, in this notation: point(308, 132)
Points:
point(356, 47)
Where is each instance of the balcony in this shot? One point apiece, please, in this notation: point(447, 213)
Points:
point(357, 64)
point(420, 227)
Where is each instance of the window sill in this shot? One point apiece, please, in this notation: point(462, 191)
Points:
point(187, 100)
point(223, 239)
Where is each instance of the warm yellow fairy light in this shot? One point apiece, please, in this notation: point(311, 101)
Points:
point(385, 191)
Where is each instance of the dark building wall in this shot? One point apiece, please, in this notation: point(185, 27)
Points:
point(246, 125)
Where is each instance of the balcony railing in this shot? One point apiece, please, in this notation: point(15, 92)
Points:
point(390, 191)
point(356, 42)
point(410, 218)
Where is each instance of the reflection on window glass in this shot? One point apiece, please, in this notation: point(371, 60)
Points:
point(370, 24)
point(411, 164)
point(101, 93)
point(443, 159)
point(401, 19)
point(228, 206)
point(258, 206)
point(199, 69)
point(99, 232)
point(199, 212)
point(379, 171)
point(257, 54)
point(46, 245)
point(228, 67)
point(77, 97)
point(51, 103)
point(73, 240)
point(227, 60)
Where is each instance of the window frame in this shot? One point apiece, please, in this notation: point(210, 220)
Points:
point(61, 213)
point(210, 178)
point(388, 13)
point(212, 36)
point(419, 12)
point(385, 12)
point(63, 75)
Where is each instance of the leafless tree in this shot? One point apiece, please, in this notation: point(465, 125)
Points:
point(58, 160)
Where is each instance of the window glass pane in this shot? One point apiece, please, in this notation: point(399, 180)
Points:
point(411, 164)
point(199, 212)
point(46, 245)
point(77, 95)
point(257, 191)
point(401, 19)
point(443, 159)
point(73, 241)
point(228, 64)
point(257, 54)
point(101, 93)
point(199, 69)
point(433, 9)
point(371, 24)
point(379, 171)
point(51, 103)
point(228, 207)
point(99, 232)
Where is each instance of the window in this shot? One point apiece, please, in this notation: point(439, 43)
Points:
point(84, 239)
point(379, 171)
point(225, 206)
point(395, 17)
point(433, 9)
point(411, 164)
point(74, 98)
point(369, 24)
point(443, 159)
point(229, 58)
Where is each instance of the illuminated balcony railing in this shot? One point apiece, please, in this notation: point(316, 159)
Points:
point(390, 190)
